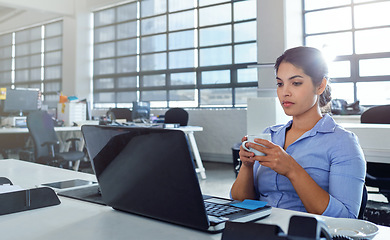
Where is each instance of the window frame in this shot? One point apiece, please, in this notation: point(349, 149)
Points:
point(198, 86)
point(353, 58)
point(29, 82)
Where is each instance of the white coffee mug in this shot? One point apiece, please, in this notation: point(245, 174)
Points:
point(251, 138)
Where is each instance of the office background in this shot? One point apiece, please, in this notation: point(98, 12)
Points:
point(279, 26)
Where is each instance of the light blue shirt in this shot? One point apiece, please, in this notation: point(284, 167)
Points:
point(331, 155)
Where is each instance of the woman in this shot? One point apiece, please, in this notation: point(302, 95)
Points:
point(312, 164)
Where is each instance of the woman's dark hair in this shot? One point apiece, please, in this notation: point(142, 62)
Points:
point(311, 61)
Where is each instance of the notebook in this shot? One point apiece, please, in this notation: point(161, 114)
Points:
point(150, 172)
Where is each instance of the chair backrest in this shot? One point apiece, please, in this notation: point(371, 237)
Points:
point(176, 115)
point(364, 203)
point(41, 128)
point(378, 173)
point(377, 114)
point(120, 113)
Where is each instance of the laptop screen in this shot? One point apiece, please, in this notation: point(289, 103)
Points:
point(147, 171)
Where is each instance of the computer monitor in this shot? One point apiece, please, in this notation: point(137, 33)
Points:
point(19, 101)
point(141, 111)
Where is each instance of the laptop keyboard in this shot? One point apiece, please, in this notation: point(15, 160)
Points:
point(220, 210)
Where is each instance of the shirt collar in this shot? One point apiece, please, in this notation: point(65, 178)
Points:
point(325, 125)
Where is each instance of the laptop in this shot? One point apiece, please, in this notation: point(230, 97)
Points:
point(150, 172)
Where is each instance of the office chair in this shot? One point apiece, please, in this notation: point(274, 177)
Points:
point(46, 144)
point(176, 115)
point(120, 113)
point(364, 203)
point(378, 173)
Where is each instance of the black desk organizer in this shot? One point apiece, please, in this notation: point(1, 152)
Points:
point(28, 199)
point(300, 228)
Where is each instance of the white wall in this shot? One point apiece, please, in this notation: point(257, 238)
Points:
point(279, 26)
point(276, 31)
point(222, 128)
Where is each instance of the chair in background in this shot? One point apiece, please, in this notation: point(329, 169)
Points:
point(46, 144)
point(364, 203)
point(176, 115)
point(378, 114)
point(378, 173)
point(236, 157)
point(120, 113)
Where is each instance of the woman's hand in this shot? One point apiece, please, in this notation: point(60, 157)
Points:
point(314, 198)
point(276, 157)
point(243, 186)
point(246, 157)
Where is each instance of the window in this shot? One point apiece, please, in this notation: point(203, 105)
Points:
point(355, 35)
point(175, 53)
point(6, 60)
point(32, 58)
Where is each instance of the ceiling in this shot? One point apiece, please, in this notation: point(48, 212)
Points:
point(6, 13)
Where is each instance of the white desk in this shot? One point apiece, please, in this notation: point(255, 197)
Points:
point(374, 140)
point(189, 131)
point(74, 219)
point(25, 130)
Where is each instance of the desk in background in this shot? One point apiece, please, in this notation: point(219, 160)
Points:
point(74, 219)
point(374, 140)
point(13, 138)
point(25, 130)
